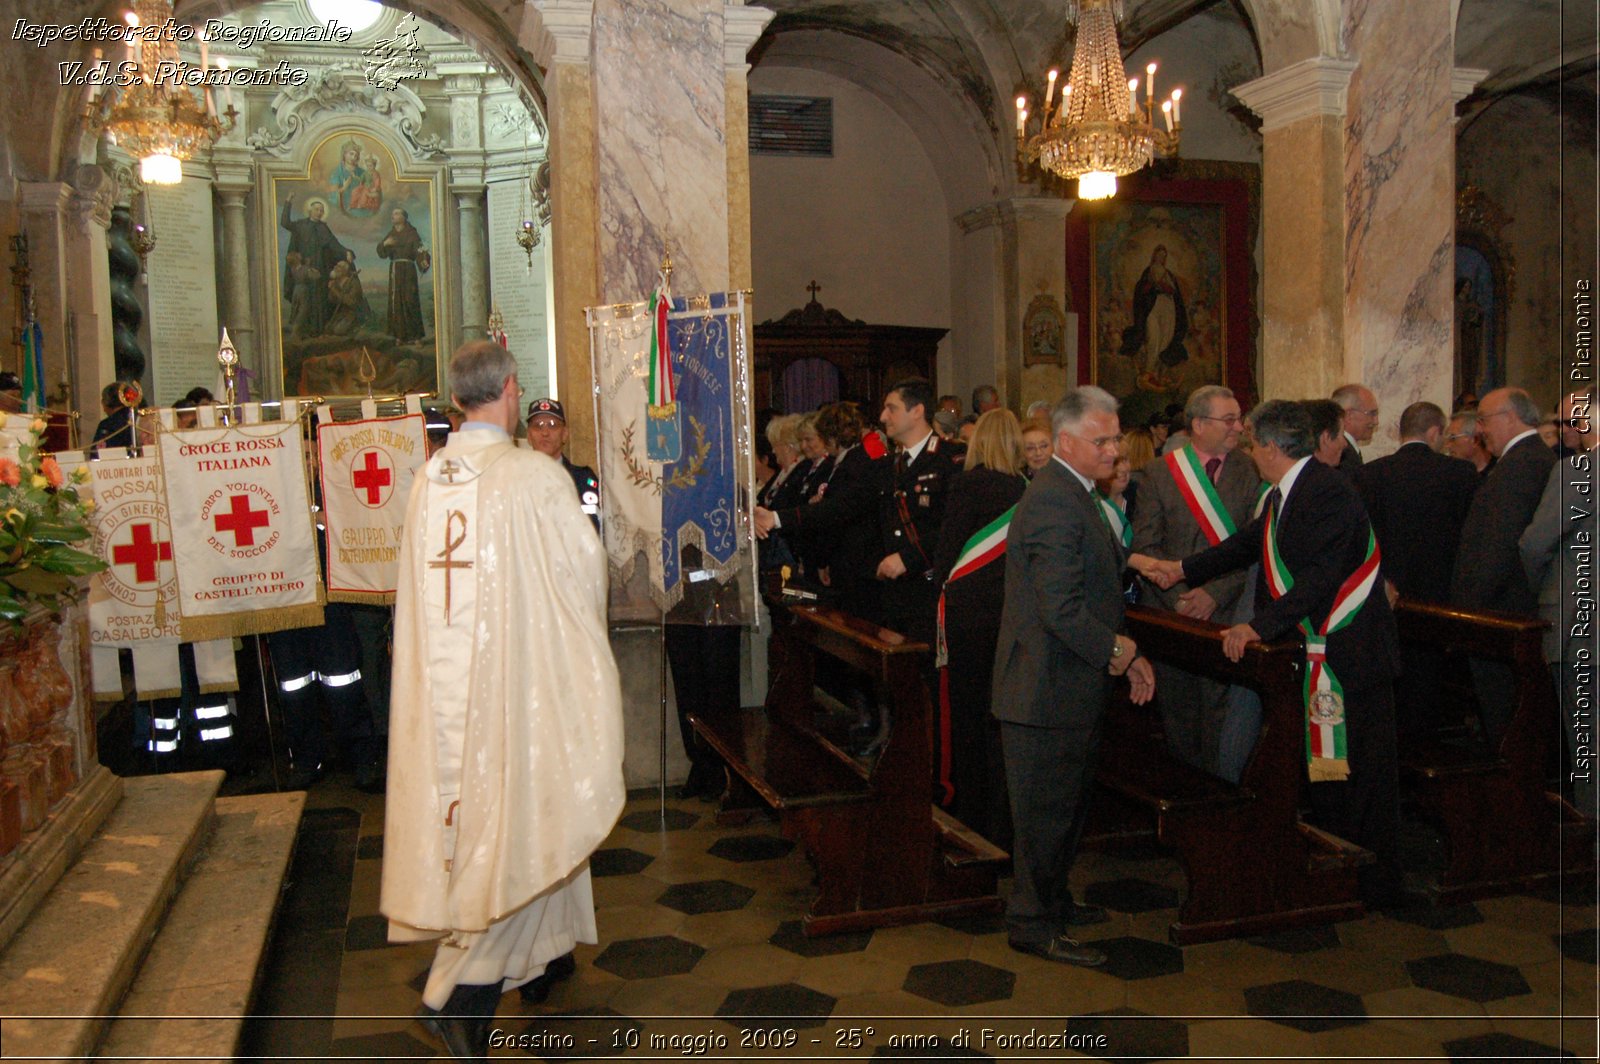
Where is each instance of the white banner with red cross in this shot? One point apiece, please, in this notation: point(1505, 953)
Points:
point(135, 599)
point(367, 469)
point(241, 529)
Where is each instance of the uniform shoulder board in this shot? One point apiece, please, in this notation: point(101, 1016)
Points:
point(933, 444)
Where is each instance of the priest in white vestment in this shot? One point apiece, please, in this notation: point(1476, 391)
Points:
point(505, 734)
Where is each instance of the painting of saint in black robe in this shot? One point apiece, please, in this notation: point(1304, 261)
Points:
point(402, 245)
point(312, 240)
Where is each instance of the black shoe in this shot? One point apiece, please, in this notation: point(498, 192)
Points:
point(466, 1037)
point(1062, 950)
point(1083, 915)
point(535, 990)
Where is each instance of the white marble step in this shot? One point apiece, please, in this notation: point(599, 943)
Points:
point(196, 985)
point(69, 965)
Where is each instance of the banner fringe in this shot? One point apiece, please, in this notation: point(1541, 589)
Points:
point(252, 622)
point(363, 598)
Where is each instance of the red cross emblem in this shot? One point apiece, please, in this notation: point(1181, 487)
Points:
point(142, 553)
point(241, 521)
point(372, 477)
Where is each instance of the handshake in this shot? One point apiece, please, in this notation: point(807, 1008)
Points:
point(1163, 574)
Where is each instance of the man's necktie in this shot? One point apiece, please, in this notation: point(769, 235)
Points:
point(899, 465)
point(1212, 465)
point(1275, 501)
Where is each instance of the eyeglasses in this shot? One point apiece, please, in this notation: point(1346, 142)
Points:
point(1100, 442)
point(1459, 435)
point(1231, 420)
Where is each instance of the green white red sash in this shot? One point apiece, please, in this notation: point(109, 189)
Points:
point(1199, 494)
point(986, 545)
point(1116, 519)
point(1327, 749)
point(664, 440)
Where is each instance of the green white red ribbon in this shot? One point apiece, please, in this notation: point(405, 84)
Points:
point(1116, 519)
point(1327, 742)
point(1199, 494)
point(663, 389)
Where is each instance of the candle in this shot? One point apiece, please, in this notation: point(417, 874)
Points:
point(1022, 113)
point(1050, 87)
point(133, 38)
point(227, 84)
point(1177, 111)
point(1166, 112)
point(205, 53)
point(1133, 94)
point(1150, 82)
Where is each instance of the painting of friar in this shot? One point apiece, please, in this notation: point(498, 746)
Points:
point(1159, 303)
point(356, 297)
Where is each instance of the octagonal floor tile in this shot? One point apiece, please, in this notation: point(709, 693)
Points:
point(618, 861)
point(706, 896)
point(650, 821)
point(1130, 1035)
point(1139, 958)
point(1300, 939)
point(1463, 976)
point(648, 958)
point(779, 1005)
point(1500, 1046)
point(962, 982)
point(1305, 1006)
point(751, 848)
point(1438, 917)
point(1579, 945)
point(789, 936)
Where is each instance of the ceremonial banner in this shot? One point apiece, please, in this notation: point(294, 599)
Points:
point(702, 496)
point(242, 536)
point(134, 600)
point(367, 469)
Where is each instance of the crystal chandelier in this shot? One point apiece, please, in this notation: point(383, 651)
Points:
point(161, 119)
point(1098, 130)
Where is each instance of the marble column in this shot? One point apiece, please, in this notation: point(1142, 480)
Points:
point(1400, 192)
point(474, 266)
point(44, 208)
point(93, 352)
point(741, 28)
point(1024, 236)
point(1302, 205)
point(1358, 205)
point(557, 33)
point(238, 310)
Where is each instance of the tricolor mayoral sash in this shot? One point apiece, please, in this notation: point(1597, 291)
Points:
point(1327, 749)
point(1116, 519)
point(1199, 494)
point(367, 468)
point(986, 546)
point(241, 529)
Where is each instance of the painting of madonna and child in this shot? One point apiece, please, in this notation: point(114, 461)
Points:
point(1159, 303)
point(355, 274)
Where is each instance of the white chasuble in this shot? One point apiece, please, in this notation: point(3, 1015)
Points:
point(505, 743)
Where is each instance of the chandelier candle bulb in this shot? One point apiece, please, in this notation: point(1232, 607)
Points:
point(1150, 83)
point(1177, 112)
point(1050, 90)
point(227, 85)
point(1133, 95)
point(133, 41)
point(1022, 113)
point(1166, 112)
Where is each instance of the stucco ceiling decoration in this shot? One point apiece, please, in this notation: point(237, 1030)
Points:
point(297, 107)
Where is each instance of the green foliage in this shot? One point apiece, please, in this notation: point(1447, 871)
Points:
point(40, 514)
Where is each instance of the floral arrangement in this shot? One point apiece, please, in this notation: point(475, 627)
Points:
point(40, 515)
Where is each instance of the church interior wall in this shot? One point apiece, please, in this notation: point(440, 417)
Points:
point(870, 224)
point(1537, 166)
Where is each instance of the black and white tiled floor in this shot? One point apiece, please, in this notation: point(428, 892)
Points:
point(700, 945)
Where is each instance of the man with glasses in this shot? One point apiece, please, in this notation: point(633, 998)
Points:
point(1060, 649)
point(1360, 408)
point(1192, 498)
point(1463, 440)
point(1489, 573)
point(547, 434)
point(1558, 551)
point(505, 734)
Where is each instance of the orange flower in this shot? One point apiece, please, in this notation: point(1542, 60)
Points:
point(51, 470)
point(10, 473)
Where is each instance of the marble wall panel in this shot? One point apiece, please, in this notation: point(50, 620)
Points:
point(1399, 206)
point(663, 171)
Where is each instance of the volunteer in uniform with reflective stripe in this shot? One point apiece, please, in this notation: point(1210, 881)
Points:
point(547, 432)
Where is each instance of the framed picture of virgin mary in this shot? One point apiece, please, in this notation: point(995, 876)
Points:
point(1163, 274)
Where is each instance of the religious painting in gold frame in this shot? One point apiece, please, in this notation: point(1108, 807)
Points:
point(1158, 289)
point(356, 295)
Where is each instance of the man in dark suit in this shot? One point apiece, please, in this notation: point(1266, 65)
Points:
point(1489, 573)
point(1360, 408)
point(1464, 440)
point(1558, 551)
point(911, 492)
point(1322, 537)
point(1417, 500)
point(1191, 499)
point(1058, 650)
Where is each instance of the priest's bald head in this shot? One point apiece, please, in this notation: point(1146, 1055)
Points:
point(483, 384)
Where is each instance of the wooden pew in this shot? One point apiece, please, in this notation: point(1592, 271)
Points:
point(883, 853)
point(1252, 867)
point(1505, 828)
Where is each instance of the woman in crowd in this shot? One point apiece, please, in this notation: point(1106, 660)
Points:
point(815, 451)
point(783, 489)
point(1036, 445)
point(969, 770)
